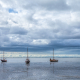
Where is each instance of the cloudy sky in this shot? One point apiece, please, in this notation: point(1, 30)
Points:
point(40, 25)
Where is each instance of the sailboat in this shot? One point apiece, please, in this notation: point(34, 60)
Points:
point(3, 60)
point(53, 60)
point(27, 60)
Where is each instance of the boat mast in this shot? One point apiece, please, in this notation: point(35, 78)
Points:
point(27, 53)
point(53, 53)
point(3, 55)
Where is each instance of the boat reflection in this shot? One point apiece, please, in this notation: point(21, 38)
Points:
point(52, 63)
point(3, 66)
point(27, 68)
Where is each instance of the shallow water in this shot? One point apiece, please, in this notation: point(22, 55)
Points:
point(40, 69)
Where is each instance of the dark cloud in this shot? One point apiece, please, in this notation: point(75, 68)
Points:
point(30, 18)
point(47, 4)
point(18, 30)
point(56, 44)
point(4, 23)
point(13, 30)
point(4, 30)
point(75, 5)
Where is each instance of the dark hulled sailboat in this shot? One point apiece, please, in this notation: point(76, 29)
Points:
point(3, 60)
point(27, 60)
point(53, 60)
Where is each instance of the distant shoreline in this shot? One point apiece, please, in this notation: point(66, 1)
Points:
point(42, 57)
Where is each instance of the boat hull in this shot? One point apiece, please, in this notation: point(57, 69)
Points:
point(4, 60)
point(53, 60)
point(27, 61)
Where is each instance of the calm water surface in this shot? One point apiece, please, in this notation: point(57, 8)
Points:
point(40, 69)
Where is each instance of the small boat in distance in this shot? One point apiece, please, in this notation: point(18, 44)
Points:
point(53, 60)
point(3, 60)
point(27, 60)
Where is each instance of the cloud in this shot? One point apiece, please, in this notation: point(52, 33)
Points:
point(40, 25)
point(13, 30)
point(74, 7)
point(47, 4)
point(18, 30)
